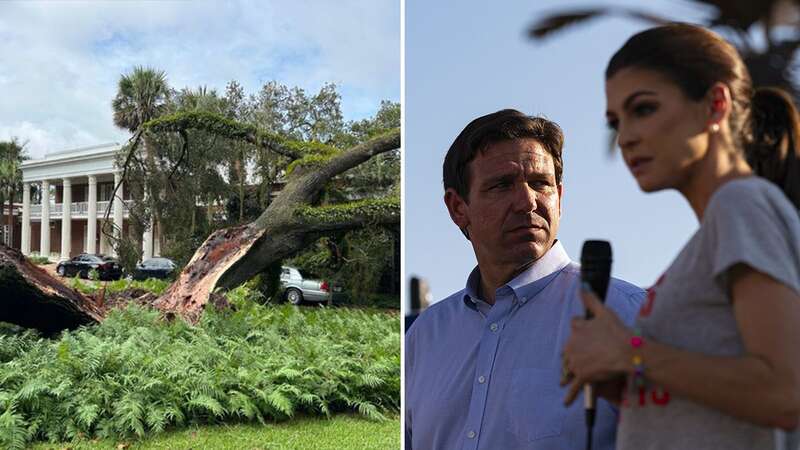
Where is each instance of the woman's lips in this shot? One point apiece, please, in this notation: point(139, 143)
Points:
point(639, 165)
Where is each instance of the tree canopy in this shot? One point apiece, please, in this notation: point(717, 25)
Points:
point(280, 162)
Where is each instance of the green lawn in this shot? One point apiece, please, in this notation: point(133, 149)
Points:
point(340, 432)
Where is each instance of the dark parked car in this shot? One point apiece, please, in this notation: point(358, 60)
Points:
point(154, 268)
point(107, 267)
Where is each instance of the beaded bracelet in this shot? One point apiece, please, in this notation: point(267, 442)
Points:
point(638, 367)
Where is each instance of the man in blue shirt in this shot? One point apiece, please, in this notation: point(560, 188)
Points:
point(482, 366)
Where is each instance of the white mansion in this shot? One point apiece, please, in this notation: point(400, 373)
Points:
point(76, 188)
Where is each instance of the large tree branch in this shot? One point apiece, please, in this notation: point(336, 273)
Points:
point(222, 126)
point(304, 186)
point(308, 178)
point(348, 216)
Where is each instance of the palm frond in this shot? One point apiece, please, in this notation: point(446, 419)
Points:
point(552, 23)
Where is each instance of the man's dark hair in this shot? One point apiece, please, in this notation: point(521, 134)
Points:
point(485, 131)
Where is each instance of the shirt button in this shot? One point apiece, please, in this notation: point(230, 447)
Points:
point(471, 435)
point(493, 327)
point(481, 379)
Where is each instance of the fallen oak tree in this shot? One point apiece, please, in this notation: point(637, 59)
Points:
point(233, 255)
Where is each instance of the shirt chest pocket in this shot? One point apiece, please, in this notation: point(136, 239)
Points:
point(536, 405)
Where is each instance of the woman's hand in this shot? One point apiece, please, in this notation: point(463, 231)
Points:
point(598, 349)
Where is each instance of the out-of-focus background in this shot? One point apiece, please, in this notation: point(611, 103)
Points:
point(469, 58)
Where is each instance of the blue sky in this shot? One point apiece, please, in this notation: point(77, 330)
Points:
point(469, 58)
point(62, 59)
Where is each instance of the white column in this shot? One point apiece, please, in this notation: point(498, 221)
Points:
point(118, 208)
point(66, 219)
point(26, 219)
point(44, 241)
point(91, 224)
point(147, 243)
point(103, 240)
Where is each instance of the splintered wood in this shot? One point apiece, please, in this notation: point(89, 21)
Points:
point(189, 294)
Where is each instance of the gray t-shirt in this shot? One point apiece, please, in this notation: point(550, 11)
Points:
point(747, 221)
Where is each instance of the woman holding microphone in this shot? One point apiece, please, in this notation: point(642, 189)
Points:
point(714, 359)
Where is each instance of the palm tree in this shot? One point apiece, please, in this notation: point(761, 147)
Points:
point(771, 64)
point(12, 153)
point(142, 95)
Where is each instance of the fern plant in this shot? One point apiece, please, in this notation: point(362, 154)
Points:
point(137, 374)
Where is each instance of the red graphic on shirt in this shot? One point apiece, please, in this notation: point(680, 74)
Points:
point(658, 396)
point(647, 308)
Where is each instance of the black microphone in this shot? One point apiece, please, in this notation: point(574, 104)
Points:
point(595, 270)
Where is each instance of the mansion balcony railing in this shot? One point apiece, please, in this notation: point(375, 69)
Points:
point(78, 210)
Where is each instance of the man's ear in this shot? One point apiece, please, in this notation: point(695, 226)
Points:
point(457, 208)
point(560, 189)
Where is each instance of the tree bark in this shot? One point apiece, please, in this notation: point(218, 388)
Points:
point(34, 299)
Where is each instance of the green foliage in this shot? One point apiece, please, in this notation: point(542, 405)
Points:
point(141, 95)
point(362, 261)
point(309, 161)
point(12, 153)
point(153, 285)
point(371, 209)
point(129, 252)
point(137, 374)
point(268, 282)
point(387, 118)
point(86, 287)
point(38, 260)
point(219, 125)
point(371, 265)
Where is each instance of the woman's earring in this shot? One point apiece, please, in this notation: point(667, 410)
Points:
point(714, 127)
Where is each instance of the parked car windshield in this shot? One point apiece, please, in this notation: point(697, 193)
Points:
point(159, 263)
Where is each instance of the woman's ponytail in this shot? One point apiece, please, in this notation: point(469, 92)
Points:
point(771, 148)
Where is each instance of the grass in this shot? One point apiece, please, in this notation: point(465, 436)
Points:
point(38, 260)
point(341, 431)
point(153, 285)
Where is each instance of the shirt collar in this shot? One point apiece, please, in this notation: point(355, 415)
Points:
point(525, 285)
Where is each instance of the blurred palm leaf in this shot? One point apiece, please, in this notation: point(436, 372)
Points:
point(556, 22)
point(772, 64)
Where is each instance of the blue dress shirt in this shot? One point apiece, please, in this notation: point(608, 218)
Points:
point(482, 376)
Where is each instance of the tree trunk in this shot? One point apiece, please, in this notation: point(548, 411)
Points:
point(34, 299)
point(188, 295)
point(194, 220)
point(2, 212)
point(240, 173)
point(11, 218)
